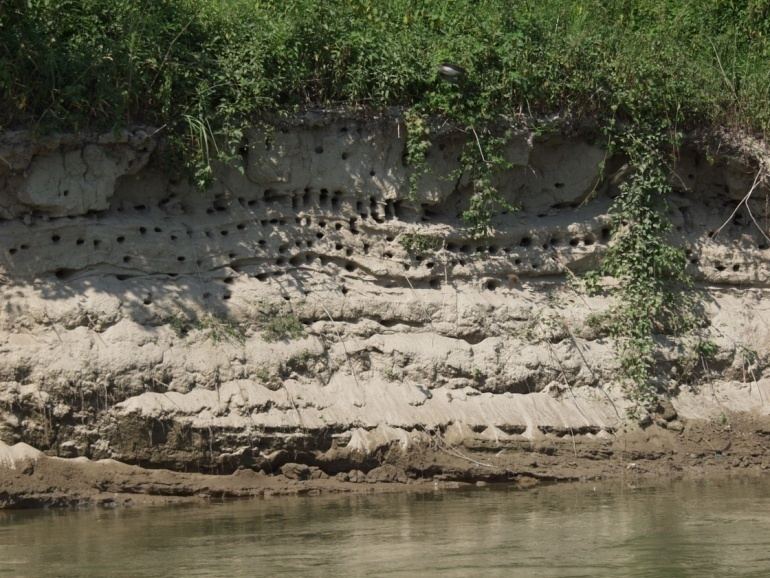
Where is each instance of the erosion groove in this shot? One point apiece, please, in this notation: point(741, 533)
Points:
point(288, 314)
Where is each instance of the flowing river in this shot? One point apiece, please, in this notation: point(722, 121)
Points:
point(675, 528)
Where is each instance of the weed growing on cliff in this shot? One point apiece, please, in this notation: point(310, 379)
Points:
point(749, 358)
point(282, 327)
point(417, 146)
point(220, 329)
point(262, 374)
point(180, 327)
point(652, 292)
point(389, 374)
point(417, 243)
point(481, 159)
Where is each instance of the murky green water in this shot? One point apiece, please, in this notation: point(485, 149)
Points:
point(718, 528)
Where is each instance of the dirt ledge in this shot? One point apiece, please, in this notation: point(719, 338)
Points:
point(735, 445)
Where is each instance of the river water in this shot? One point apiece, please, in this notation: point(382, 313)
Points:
point(679, 528)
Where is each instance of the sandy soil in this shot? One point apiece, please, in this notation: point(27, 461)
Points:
point(737, 444)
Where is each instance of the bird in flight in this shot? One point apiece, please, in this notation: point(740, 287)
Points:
point(450, 72)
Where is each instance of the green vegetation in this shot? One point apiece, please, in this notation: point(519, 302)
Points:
point(197, 67)
point(417, 243)
point(280, 327)
point(217, 327)
point(707, 349)
point(181, 327)
point(651, 296)
point(301, 361)
point(220, 329)
point(263, 374)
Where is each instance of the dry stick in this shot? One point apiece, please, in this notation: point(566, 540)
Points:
point(724, 74)
point(165, 394)
point(94, 330)
point(560, 263)
point(748, 210)
point(569, 386)
point(170, 46)
point(574, 446)
point(754, 379)
point(294, 405)
point(13, 216)
point(478, 143)
point(344, 347)
point(214, 320)
point(198, 269)
point(591, 369)
point(716, 451)
point(444, 446)
point(757, 180)
point(745, 365)
point(566, 381)
point(424, 311)
point(53, 327)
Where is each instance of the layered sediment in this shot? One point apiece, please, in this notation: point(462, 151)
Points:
point(305, 309)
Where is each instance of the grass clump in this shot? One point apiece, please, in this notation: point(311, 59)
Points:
point(180, 326)
point(418, 243)
point(282, 327)
point(220, 329)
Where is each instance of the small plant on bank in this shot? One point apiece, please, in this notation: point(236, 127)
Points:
point(262, 374)
point(723, 420)
point(707, 349)
point(749, 361)
point(181, 327)
point(390, 374)
point(220, 329)
point(482, 159)
point(282, 327)
point(301, 361)
point(417, 243)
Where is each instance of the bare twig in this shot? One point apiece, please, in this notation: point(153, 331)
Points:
point(759, 178)
point(478, 143)
point(445, 447)
point(294, 405)
point(53, 327)
point(424, 311)
point(344, 347)
point(170, 46)
point(721, 68)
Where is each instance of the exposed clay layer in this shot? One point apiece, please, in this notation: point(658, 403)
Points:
point(703, 448)
point(139, 315)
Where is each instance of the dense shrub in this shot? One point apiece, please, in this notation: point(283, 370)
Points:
point(72, 64)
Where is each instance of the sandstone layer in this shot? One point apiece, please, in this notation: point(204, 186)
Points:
point(306, 310)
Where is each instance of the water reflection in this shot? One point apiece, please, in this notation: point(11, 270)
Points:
point(674, 529)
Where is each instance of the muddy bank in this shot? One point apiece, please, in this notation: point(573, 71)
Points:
point(736, 445)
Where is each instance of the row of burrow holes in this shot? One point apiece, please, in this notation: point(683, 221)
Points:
point(309, 258)
point(352, 226)
point(718, 265)
point(306, 221)
point(465, 249)
point(391, 209)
